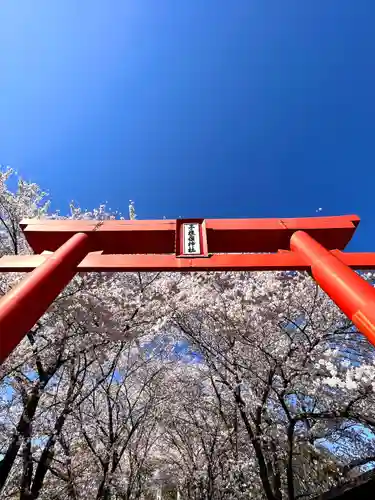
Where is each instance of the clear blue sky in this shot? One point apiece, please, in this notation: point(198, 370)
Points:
point(210, 108)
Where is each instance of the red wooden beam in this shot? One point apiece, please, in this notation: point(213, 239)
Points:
point(218, 262)
point(22, 307)
point(354, 296)
point(159, 237)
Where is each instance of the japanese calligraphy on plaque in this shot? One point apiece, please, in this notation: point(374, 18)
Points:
point(192, 245)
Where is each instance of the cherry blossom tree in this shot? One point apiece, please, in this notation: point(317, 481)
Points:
point(216, 386)
point(76, 332)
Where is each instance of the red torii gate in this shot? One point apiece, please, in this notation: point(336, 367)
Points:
point(63, 248)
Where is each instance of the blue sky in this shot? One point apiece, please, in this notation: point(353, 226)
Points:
point(211, 108)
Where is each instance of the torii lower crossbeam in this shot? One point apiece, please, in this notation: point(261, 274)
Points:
point(64, 248)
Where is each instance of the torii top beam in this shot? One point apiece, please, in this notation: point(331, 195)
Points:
point(158, 245)
point(162, 236)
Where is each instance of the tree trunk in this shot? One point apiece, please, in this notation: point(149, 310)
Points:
point(103, 490)
point(259, 454)
point(27, 473)
point(22, 431)
point(47, 456)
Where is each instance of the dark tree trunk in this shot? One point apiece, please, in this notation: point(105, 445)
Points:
point(258, 453)
point(23, 430)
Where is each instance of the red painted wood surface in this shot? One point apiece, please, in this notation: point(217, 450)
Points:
point(217, 262)
point(159, 237)
point(22, 307)
point(354, 296)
